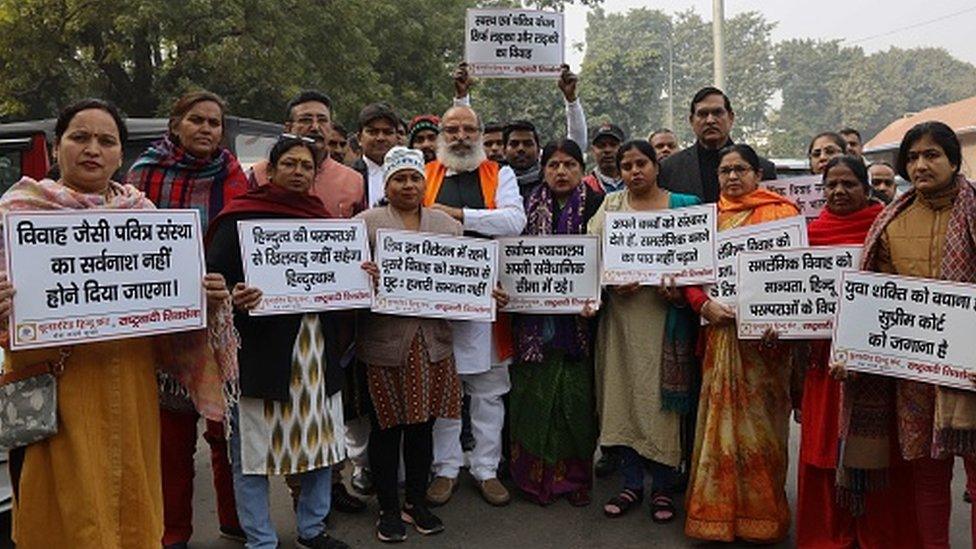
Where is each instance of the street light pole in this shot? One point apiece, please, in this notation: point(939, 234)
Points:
point(718, 42)
point(670, 119)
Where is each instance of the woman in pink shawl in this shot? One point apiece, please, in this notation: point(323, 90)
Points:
point(96, 483)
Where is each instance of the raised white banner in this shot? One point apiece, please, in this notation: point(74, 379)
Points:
point(550, 274)
point(514, 43)
point(95, 275)
point(647, 246)
point(791, 291)
point(912, 328)
point(435, 275)
point(805, 191)
point(306, 265)
point(782, 234)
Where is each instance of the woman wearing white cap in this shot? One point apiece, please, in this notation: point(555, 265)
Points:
point(410, 363)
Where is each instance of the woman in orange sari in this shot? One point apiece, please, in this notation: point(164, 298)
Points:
point(736, 489)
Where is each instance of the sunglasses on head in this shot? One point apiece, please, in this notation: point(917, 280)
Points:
point(303, 138)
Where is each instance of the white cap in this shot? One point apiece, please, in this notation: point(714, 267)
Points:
point(402, 158)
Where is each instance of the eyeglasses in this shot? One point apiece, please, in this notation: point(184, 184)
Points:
point(738, 170)
point(308, 120)
point(466, 128)
point(302, 138)
point(717, 112)
point(292, 164)
point(826, 151)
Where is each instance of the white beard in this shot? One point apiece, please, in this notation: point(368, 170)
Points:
point(464, 162)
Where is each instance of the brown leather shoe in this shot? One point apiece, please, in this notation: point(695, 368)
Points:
point(494, 492)
point(440, 490)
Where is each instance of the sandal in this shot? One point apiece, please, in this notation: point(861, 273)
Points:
point(579, 498)
point(662, 508)
point(618, 505)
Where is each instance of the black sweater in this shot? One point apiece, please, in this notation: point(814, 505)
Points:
point(267, 341)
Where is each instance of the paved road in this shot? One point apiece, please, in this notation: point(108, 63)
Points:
point(472, 524)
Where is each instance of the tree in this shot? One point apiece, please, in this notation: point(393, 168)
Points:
point(826, 86)
point(625, 68)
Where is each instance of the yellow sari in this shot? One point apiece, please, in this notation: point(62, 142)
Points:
point(736, 489)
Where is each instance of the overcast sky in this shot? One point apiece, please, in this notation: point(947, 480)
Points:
point(850, 20)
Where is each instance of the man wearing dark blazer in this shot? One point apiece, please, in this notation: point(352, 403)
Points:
point(695, 170)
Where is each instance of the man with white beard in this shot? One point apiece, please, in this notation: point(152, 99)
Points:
point(485, 198)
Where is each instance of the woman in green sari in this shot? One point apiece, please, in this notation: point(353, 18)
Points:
point(553, 430)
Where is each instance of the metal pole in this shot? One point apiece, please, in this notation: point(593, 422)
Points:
point(718, 42)
point(670, 83)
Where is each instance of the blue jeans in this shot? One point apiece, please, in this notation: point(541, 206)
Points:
point(251, 493)
point(632, 469)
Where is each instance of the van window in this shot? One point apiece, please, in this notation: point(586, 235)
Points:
point(9, 168)
point(251, 149)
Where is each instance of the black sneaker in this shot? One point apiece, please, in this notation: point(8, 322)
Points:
point(422, 519)
point(390, 528)
point(344, 502)
point(235, 534)
point(322, 541)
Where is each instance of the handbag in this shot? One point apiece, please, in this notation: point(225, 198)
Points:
point(29, 402)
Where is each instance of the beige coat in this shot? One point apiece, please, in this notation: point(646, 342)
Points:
point(384, 340)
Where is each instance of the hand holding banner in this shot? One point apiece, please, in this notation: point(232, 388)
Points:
point(793, 292)
point(647, 246)
point(912, 328)
point(514, 43)
point(306, 265)
point(781, 234)
point(436, 276)
point(95, 275)
point(550, 274)
point(806, 192)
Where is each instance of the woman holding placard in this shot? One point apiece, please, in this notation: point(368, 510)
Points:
point(189, 168)
point(410, 363)
point(643, 354)
point(289, 419)
point(738, 477)
point(553, 429)
point(926, 232)
point(821, 521)
point(96, 483)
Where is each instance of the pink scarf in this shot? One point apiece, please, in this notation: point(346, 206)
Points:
point(201, 364)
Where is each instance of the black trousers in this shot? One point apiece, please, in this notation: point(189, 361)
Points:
point(384, 461)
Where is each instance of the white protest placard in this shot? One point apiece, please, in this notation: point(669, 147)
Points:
point(514, 43)
point(781, 234)
point(912, 328)
point(435, 275)
point(804, 191)
point(306, 265)
point(95, 275)
point(791, 291)
point(550, 274)
point(647, 246)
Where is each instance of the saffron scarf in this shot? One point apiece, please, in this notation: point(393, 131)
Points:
point(201, 364)
point(758, 206)
point(868, 400)
point(173, 178)
point(569, 332)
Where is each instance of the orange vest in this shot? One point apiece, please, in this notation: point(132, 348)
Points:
point(488, 177)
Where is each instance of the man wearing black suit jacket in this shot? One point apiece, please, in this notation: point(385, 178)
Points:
point(695, 170)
